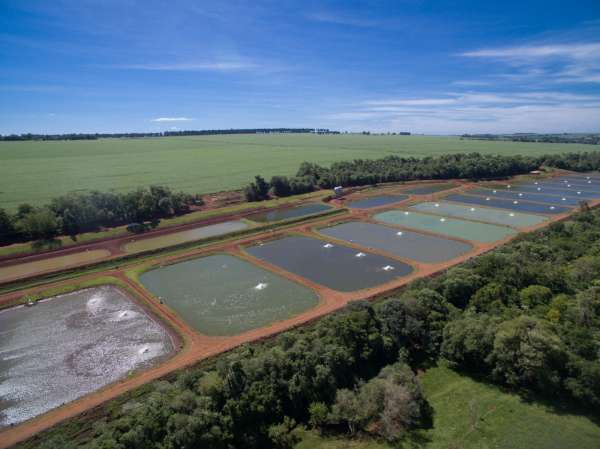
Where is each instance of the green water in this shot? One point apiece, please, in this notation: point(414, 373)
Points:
point(495, 216)
point(225, 295)
point(452, 227)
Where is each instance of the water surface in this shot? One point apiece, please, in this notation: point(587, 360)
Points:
point(189, 235)
point(376, 201)
point(407, 244)
point(515, 205)
point(225, 295)
point(70, 345)
point(468, 230)
point(335, 266)
point(479, 213)
point(289, 213)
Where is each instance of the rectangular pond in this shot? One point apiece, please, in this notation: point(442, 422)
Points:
point(429, 189)
point(407, 244)
point(11, 272)
point(70, 345)
point(335, 266)
point(225, 295)
point(176, 238)
point(516, 205)
point(583, 186)
point(468, 230)
point(495, 216)
point(376, 201)
point(289, 213)
point(530, 196)
point(558, 190)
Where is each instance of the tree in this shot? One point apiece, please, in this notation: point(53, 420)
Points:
point(258, 190)
point(7, 227)
point(535, 295)
point(346, 410)
point(318, 412)
point(282, 436)
point(528, 354)
point(459, 285)
point(40, 224)
point(468, 341)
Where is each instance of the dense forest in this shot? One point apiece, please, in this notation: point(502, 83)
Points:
point(205, 132)
point(81, 212)
point(362, 172)
point(525, 316)
point(590, 139)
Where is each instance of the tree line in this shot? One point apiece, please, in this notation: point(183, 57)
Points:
point(589, 139)
point(360, 172)
point(525, 316)
point(74, 213)
point(205, 132)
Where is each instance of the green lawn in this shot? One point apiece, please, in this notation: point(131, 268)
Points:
point(35, 172)
point(503, 421)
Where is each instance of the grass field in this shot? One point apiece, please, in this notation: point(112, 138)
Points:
point(504, 421)
point(35, 172)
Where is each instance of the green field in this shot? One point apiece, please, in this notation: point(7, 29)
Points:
point(501, 420)
point(37, 171)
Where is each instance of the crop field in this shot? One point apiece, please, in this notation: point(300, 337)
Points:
point(37, 171)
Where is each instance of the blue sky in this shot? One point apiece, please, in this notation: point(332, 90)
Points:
point(433, 67)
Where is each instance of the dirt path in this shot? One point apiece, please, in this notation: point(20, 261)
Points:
point(195, 346)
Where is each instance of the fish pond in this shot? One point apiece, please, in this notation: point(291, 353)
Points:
point(70, 345)
point(11, 272)
point(468, 230)
point(289, 213)
point(528, 196)
point(190, 235)
point(225, 295)
point(376, 201)
point(407, 244)
point(494, 216)
point(572, 191)
point(515, 205)
point(335, 266)
point(429, 189)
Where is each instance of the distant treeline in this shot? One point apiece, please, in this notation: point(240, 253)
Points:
point(525, 316)
point(362, 172)
point(81, 212)
point(206, 132)
point(591, 139)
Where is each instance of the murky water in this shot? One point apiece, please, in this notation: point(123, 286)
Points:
point(335, 266)
point(291, 212)
point(225, 295)
point(479, 213)
point(190, 235)
point(468, 230)
point(516, 205)
point(528, 196)
point(408, 244)
point(573, 191)
point(376, 201)
point(428, 189)
point(71, 345)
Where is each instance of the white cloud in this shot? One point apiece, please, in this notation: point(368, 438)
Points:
point(342, 19)
point(574, 51)
point(575, 62)
point(477, 112)
point(172, 119)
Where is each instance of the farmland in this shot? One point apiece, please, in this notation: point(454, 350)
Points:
point(37, 171)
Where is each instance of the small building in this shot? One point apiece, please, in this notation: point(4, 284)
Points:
point(535, 172)
point(339, 191)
